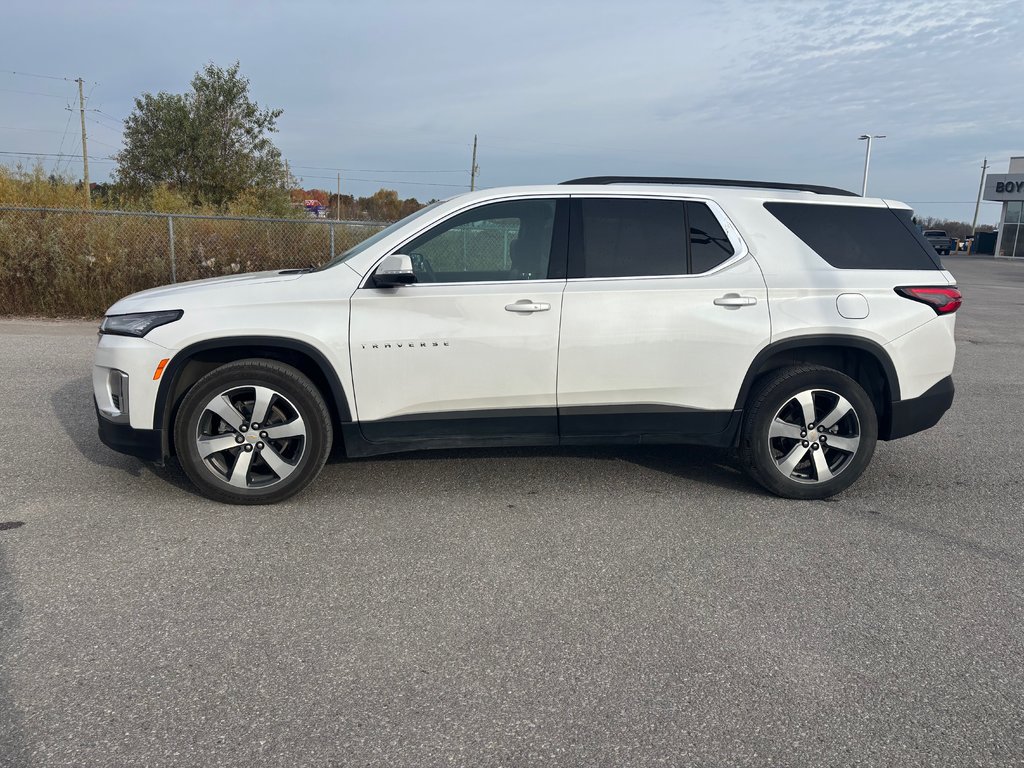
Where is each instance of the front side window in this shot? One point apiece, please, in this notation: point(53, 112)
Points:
point(509, 240)
point(374, 239)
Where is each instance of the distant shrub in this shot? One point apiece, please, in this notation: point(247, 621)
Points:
point(76, 264)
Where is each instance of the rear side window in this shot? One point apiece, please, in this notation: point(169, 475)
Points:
point(628, 237)
point(852, 237)
point(709, 245)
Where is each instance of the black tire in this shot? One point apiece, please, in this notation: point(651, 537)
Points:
point(768, 445)
point(295, 439)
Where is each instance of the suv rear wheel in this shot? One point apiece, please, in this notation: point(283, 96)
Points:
point(809, 432)
point(252, 432)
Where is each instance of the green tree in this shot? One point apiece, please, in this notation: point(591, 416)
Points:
point(211, 143)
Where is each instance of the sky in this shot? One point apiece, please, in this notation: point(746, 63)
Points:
point(392, 92)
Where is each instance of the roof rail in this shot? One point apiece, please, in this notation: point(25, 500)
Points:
point(819, 190)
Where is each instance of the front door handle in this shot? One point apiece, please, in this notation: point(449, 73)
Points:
point(526, 305)
point(734, 300)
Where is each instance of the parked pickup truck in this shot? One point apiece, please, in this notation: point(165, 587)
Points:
point(941, 242)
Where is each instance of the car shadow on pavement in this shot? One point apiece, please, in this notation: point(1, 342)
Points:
point(12, 742)
point(79, 424)
point(714, 466)
point(695, 464)
point(698, 465)
point(70, 408)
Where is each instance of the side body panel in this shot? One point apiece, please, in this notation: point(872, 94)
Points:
point(661, 341)
point(311, 310)
point(808, 297)
point(430, 353)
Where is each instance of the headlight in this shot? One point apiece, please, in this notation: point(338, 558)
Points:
point(138, 323)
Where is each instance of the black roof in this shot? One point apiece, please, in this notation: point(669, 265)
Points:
point(817, 189)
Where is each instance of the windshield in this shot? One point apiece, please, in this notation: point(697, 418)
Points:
point(374, 239)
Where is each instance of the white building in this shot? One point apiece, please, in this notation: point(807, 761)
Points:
point(1008, 188)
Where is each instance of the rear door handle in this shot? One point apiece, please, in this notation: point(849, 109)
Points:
point(526, 305)
point(735, 300)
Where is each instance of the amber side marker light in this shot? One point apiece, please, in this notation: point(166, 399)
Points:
point(943, 299)
point(160, 368)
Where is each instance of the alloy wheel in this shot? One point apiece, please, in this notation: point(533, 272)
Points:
point(251, 437)
point(814, 436)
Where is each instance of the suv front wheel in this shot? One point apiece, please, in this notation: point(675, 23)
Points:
point(809, 432)
point(252, 432)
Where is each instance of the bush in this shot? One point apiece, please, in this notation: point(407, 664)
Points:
point(76, 263)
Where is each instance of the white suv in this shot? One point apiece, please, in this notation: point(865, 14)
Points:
point(795, 324)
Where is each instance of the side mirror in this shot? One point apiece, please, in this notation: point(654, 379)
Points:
point(393, 271)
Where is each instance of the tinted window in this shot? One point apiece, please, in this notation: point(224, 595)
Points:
point(852, 237)
point(629, 238)
point(709, 246)
point(500, 241)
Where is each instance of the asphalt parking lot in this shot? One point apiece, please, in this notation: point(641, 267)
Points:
point(564, 607)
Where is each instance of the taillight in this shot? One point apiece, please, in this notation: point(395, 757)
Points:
point(944, 300)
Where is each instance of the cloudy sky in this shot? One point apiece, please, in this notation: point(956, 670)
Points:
point(392, 92)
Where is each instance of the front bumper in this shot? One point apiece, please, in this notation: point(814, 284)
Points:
point(146, 444)
point(920, 413)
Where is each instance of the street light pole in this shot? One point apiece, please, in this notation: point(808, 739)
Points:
point(977, 206)
point(867, 159)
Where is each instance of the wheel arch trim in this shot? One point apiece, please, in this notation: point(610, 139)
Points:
point(872, 348)
point(163, 408)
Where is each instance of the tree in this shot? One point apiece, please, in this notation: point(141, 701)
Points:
point(384, 205)
point(211, 143)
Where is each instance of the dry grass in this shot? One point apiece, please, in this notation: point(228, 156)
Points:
point(76, 264)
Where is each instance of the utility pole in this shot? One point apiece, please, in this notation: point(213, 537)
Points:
point(339, 197)
point(85, 146)
point(977, 205)
point(474, 169)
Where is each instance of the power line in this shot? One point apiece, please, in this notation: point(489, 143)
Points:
point(34, 93)
point(94, 158)
point(101, 125)
point(393, 181)
point(30, 130)
point(54, 154)
point(56, 165)
point(374, 170)
point(104, 114)
point(546, 142)
point(118, 129)
point(94, 140)
point(62, 156)
point(44, 77)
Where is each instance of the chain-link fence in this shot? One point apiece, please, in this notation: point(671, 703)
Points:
point(64, 263)
point(479, 246)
